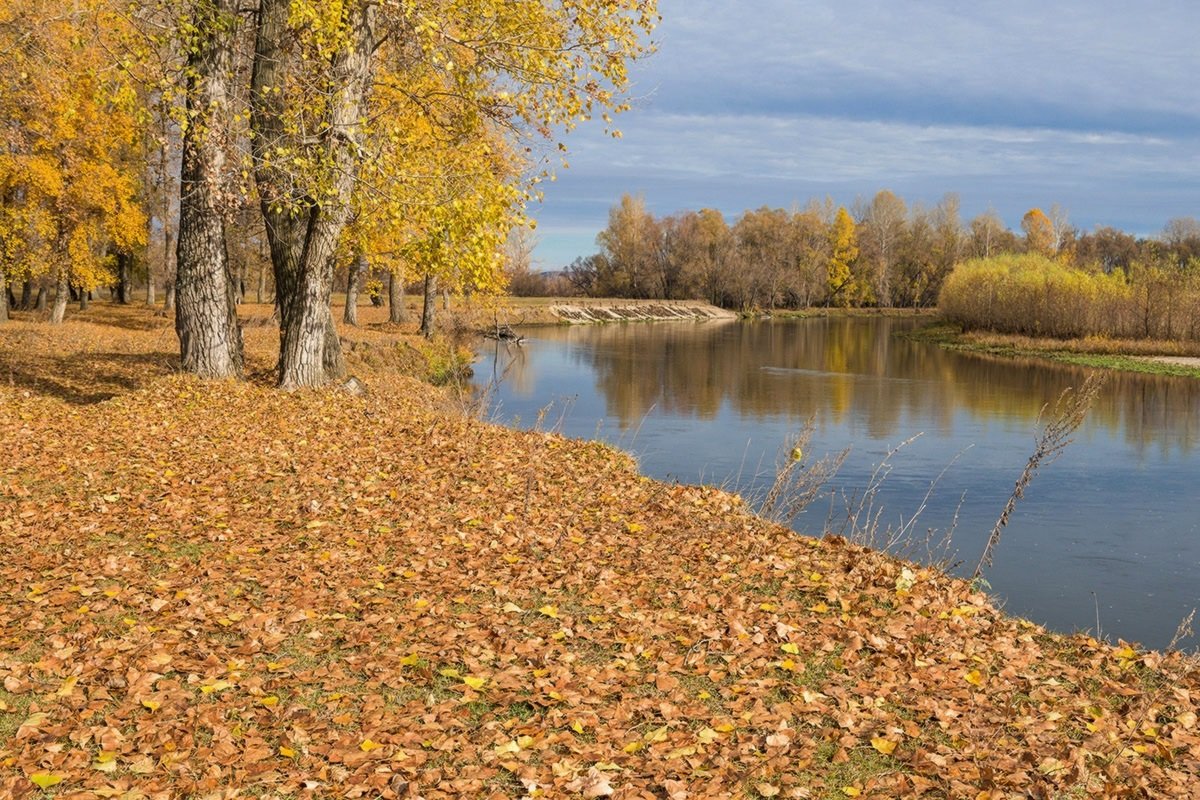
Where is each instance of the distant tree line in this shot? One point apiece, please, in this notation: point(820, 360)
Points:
point(882, 252)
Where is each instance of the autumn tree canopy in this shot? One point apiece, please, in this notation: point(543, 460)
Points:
point(68, 147)
point(476, 78)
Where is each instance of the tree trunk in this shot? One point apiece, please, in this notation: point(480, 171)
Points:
point(210, 338)
point(397, 313)
point(85, 296)
point(62, 293)
point(302, 231)
point(429, 306)
point(124, 277)
point(358, 267)
point(262, 282)
point(42, 299)
point(3, 295)
point(27, 299)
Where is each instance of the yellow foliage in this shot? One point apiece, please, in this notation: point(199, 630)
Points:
point(68, 187)
point(1034, 295)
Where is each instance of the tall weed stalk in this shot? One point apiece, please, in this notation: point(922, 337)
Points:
point(1070, 410)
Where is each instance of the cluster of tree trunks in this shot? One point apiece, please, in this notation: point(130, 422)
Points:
point(301, 231)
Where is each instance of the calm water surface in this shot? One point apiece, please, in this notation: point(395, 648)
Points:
point(1111, 528)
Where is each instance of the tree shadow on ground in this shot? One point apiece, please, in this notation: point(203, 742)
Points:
point(87, 378)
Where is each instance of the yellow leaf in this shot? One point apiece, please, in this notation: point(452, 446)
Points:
point(68, 687)
point(975, 678)
point(410, 660)
point(549, 611)
point(507, 748)
point(633, 747)
point(449, 672)
point(885, 746)
point(367, 746)
point(45, 780)
point(708, 735)
point(820, 608)
point(475, 683)
point(216, 686)
point(657, 735)
point(577, 726)
point(851, 791)
point(269, 701)
point(286, 751)
point(153, 705)
point(790, 648)
point(633, 527)
point(767, 607)
point(788, 664)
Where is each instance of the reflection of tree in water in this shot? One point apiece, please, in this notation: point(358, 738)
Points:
point(840, 368)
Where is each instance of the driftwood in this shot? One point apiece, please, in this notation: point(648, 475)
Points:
point(503, 333)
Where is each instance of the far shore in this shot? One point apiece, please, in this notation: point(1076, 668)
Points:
point(1151, 356)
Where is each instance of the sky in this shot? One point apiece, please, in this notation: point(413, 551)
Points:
point(1093, 105)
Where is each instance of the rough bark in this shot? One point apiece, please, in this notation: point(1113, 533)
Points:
point(358, 267)
point(302, 231)
point(124, 277)
point(85, 297)
point(429, 306)
point(210, 338)
point(62, 293)
point(27, 297)
point(40, 303)
point(397, 313)
point(3, 295)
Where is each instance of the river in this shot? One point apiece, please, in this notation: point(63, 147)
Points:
point(1109, 533)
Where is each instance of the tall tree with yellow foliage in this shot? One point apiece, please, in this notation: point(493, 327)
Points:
point(68, 175)
point(532, 66)
point(843, 245)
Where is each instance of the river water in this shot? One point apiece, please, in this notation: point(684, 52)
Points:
point(1107, 533)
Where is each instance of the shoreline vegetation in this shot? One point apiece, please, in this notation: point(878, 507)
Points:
point(1151, 357)
point(218, 589)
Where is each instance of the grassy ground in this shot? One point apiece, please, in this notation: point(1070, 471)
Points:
point(218, 590)
point(1147, 356)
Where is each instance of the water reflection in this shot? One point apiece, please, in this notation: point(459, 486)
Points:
point(1109, 526)
point(838, 368)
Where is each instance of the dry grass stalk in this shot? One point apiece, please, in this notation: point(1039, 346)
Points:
point(1069, 412)
point(797, 482)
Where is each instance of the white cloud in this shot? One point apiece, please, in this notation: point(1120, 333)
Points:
point(1090, 104)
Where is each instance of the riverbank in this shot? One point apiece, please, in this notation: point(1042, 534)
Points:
point(1145, 356)
point(523, 312)
point(219, 588)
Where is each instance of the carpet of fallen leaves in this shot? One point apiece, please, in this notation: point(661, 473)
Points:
point(221, 590)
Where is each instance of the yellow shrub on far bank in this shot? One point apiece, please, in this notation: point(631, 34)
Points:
point(1032, 295)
